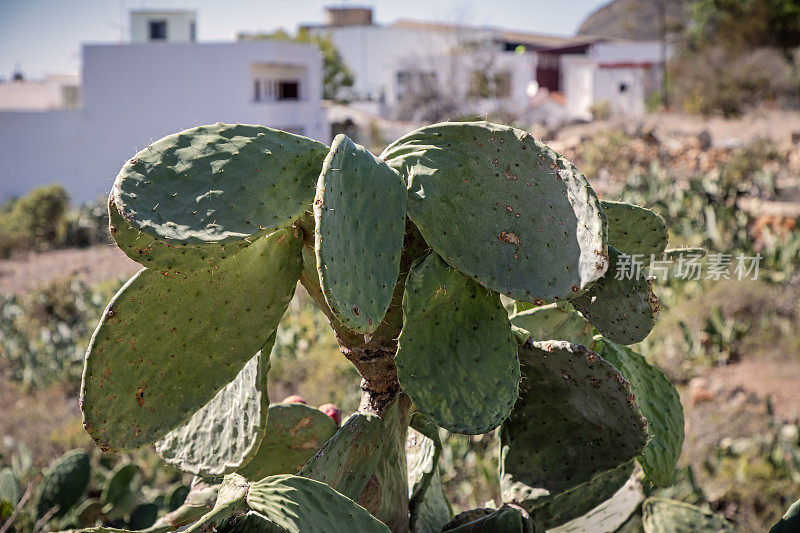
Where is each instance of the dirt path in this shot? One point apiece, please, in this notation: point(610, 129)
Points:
point(776, 379)
point(47, 420)
point(99, 263)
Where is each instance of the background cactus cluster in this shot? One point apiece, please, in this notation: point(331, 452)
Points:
point(470, 274)
point(75, 491)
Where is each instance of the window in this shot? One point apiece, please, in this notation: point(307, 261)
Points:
point(623, 88)
point(288, 90)
point(256, 90)
point(71, 96)
point(192, 31)
point(158, 30)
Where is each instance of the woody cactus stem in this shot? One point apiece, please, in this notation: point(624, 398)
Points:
point(373, 356)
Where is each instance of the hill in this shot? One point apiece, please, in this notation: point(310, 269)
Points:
point(634, 19)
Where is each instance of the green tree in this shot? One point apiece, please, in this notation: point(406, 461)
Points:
point(739, 25)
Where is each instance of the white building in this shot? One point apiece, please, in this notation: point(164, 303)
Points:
point(56, 91)
point(135, 93)
point(175, 26)
point(482, 69)
point(621, 74)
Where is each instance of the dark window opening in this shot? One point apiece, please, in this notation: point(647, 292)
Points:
point(192, 31)
point(158, 30)
point(623, 87)
point(288, 90)
point(257, 90)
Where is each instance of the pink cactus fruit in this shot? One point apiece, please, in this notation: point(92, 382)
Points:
point(294, 398)
point(332, 411)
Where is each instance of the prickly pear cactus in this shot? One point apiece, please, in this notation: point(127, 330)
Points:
point(296, 505)
point(408, 256)
point(360, 212)
point(790, 521)
point(228, 430)
point(661, 407)
point(148, 332)
point(62, 484)
point(621, 305)
point(349, 458)
point(634, 230)
point(661, 515)
point(198, 196)
point(295, 432)
point(573, 405)
point(554, 321)
point(9, 488)
point(469, 388)
point(503, 208)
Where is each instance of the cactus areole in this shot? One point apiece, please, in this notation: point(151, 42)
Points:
point(408, 255)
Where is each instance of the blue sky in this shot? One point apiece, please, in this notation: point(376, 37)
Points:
point(41, 36)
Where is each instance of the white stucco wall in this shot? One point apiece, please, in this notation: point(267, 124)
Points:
point(370, 52)
point(135, 94)
point(38, 95)
point(453, 75)
point(179, 25)
point(600, 75)
point(608, 83)
point(578, 85)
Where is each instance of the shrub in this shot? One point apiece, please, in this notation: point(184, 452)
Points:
point(717, 81)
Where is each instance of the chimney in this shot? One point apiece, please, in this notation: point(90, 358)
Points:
point(348, 16)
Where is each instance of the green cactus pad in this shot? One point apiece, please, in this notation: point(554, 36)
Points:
point(423, 447)
point(456, 357)
point(503, 208)
point(434, 509)
point(293, 504)
point(429, 508)
point(790, 521)
point(608, 515)
point(195, 197)
point(226, 433)
point(575, 419)
point(660, 404)
point(660, 515)
point(623, 310)
point(89, 512)
point(360, 213)
point(176, 496)
point(349, 458)
point(198, 501)
point(580, 500)
point(294, 434)
point(118, 485)
point(143, 516)
point(9, 488)
point(504, 520)
point(62, 484)
point(153, 362)
point(635, 230)
point(554, 321)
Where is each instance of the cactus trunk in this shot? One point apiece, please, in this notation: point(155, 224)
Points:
point(386, 493)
